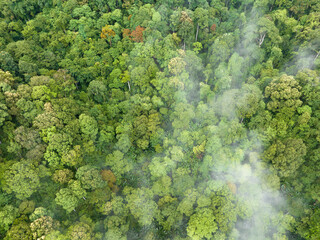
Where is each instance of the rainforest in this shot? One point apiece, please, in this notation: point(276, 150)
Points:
point(160, 119)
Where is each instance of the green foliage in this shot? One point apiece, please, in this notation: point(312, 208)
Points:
point(141, 205)
point(98, 90)
point(79, 231)
point(19, 231)
point(26, 207)
point(118, 163)
point(42, 227)
point(62, 176)
point(38, 213)
point(89, 177)
point(286, 156)
point(22, 179)
point(202, 225)
point(309, 227)
point(69, 198)
point(159, 119)
point(284, 94)
point(89, 126)
point(7, 216)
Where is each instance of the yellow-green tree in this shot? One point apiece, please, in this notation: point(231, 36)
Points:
point(107, 33)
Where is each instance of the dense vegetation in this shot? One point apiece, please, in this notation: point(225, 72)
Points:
point(144, 119)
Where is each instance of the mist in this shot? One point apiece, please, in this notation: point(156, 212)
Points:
point(159, 120)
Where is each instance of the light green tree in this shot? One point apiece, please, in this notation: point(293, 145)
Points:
point(90, 177)
point(284, 94)
point(141, 205)
point(69, 198)
point(286, 156)
point(89, 126)
point(22, 178)
point(7, 215)
point(202, 224)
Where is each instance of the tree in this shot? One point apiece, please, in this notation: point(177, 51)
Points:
point(126, 33)
point(3, 113)
point(6, 77)
point(58, 145)
point(267, 28)
point(236, 69)
point(249, 101)
point(225, 209)
point(202, 224)
point(69, 198)
point(141, 205)
point(27, 137)
point(110, 178)
point(28, 110)
point(283, 94)
point(41, 227)
point(62, 176)
point(7, 215)
point(98, 90)
point(62, 83)
point(176, 65)
point(107, 33)
point(310, 87)
point(47, 119)
point(169, 218)
point(158, 167)
point(7, 62)
point(309, 226)
point(185, 27)
point(39, 213)
point(73, 157)
point(80, 231)
point(162, 187)
point(231, 132)
point(221, 49)
point(213, 27)
point(55, 235)
point(137, 34)
point(22, 178)
point(118, 163)
point(90, 177)
point(26, 207)
point(118, 223)
point(89, 126)
point(186, 206)
point(286, 156)
point(167, 120)
point(142, 16)
point(19, 231)
point(201, 17)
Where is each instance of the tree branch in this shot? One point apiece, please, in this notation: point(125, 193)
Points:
point(318, 53)
point(261, 39)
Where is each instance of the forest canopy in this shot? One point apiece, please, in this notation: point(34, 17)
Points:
point(144, 119)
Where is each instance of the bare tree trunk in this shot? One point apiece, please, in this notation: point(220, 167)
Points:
point(272, 5)
point(129, 86)
point(184, 44)
point(261, 39)
point(226, 3)
point(318, 53)
point(197, 32)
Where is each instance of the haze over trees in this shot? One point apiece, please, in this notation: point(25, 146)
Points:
point(143, 119)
